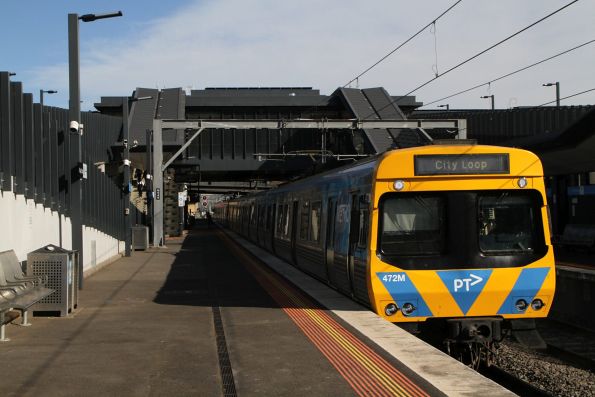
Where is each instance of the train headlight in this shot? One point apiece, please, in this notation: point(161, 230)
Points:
point(521, 305)
point(408, 308)
point(537, 304)
point(522, 182)
point(391, 309)
point(399, 185)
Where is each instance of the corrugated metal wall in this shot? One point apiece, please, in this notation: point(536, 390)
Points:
point(500, 125)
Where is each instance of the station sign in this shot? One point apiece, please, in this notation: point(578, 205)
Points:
point(461, 164)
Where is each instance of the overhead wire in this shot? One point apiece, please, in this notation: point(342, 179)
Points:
point(509, 74)
point(566, 97)
point(383, 58)
point(394, 101)
point(433, 22)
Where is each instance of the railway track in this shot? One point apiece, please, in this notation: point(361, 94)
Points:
point(513, 383)
point(565, 368)
point(570, 344)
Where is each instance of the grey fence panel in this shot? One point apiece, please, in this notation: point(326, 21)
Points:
point(18, 146)
point(54, 182)
point(29, 146)
point(6, 133)
point(38, 152)
point(47, 158)
point(62, 159)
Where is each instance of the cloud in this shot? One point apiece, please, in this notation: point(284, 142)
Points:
point(326, 43)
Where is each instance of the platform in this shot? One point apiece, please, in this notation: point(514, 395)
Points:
point(206, 317)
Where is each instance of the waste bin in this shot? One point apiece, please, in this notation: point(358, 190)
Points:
point(140, 237)
point(61, 267)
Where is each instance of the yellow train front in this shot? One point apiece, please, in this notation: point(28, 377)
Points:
point(461, 233)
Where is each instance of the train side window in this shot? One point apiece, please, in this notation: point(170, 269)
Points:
point(286, 217)
point(315, 221)
point(364, 220)
point(304, 220)
point(252, 215)
point(260, 216)
point(269, 217)
point(279, 219)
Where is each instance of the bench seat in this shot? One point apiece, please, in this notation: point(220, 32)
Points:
point(17, 291)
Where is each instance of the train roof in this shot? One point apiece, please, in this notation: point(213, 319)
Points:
point(383, 165)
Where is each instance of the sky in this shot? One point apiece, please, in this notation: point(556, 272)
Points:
point(308, 43)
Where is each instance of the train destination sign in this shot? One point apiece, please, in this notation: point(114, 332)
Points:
point(461, 164)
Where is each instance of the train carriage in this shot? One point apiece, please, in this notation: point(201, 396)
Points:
point(448, 234)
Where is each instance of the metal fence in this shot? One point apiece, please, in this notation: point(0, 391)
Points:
point(35, 146)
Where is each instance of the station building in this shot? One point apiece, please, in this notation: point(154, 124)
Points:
point(227, 161)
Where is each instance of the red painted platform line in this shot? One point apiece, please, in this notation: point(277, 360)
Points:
point(367, 372)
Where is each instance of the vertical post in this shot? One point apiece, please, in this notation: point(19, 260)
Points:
point(74, 112)
point(158, 239)
point(149, 183)
point(126, 181)
point(557, 93)
point(6, 134)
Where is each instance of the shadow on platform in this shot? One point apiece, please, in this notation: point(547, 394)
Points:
point(206, 272)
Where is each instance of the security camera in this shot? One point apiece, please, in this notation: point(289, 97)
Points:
point(125, 142)
point(74, 127)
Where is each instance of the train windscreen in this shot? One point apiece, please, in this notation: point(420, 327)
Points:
point(461, 229)
point(412, 225)
point(506, 223)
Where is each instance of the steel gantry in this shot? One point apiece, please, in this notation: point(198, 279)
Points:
point(199, 126)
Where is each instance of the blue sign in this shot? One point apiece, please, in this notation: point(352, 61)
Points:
point(402, 290)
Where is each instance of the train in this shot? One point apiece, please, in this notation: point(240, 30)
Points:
point(452, 237)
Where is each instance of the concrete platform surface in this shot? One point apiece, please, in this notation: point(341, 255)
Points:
point(203, 317)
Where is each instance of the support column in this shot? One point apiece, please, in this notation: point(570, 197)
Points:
point(126, 182)
point(76, 186)
point(158, 239)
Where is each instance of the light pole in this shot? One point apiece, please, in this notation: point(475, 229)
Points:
point(41, 92)
point(491, 98)
point(557, 84)
point(74, 113)
point(447, 106)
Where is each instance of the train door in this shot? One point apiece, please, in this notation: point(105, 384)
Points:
point(294, 230)
point(339, 267)
point(272, 225)
point(353, 238)
point(260, 225)
point(330, 236)
point(358, 247)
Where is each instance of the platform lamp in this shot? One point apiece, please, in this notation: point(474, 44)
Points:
point(446, 105)
point(41, 92)
point(74, 113)
point(557, 84)
point(491, 97)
